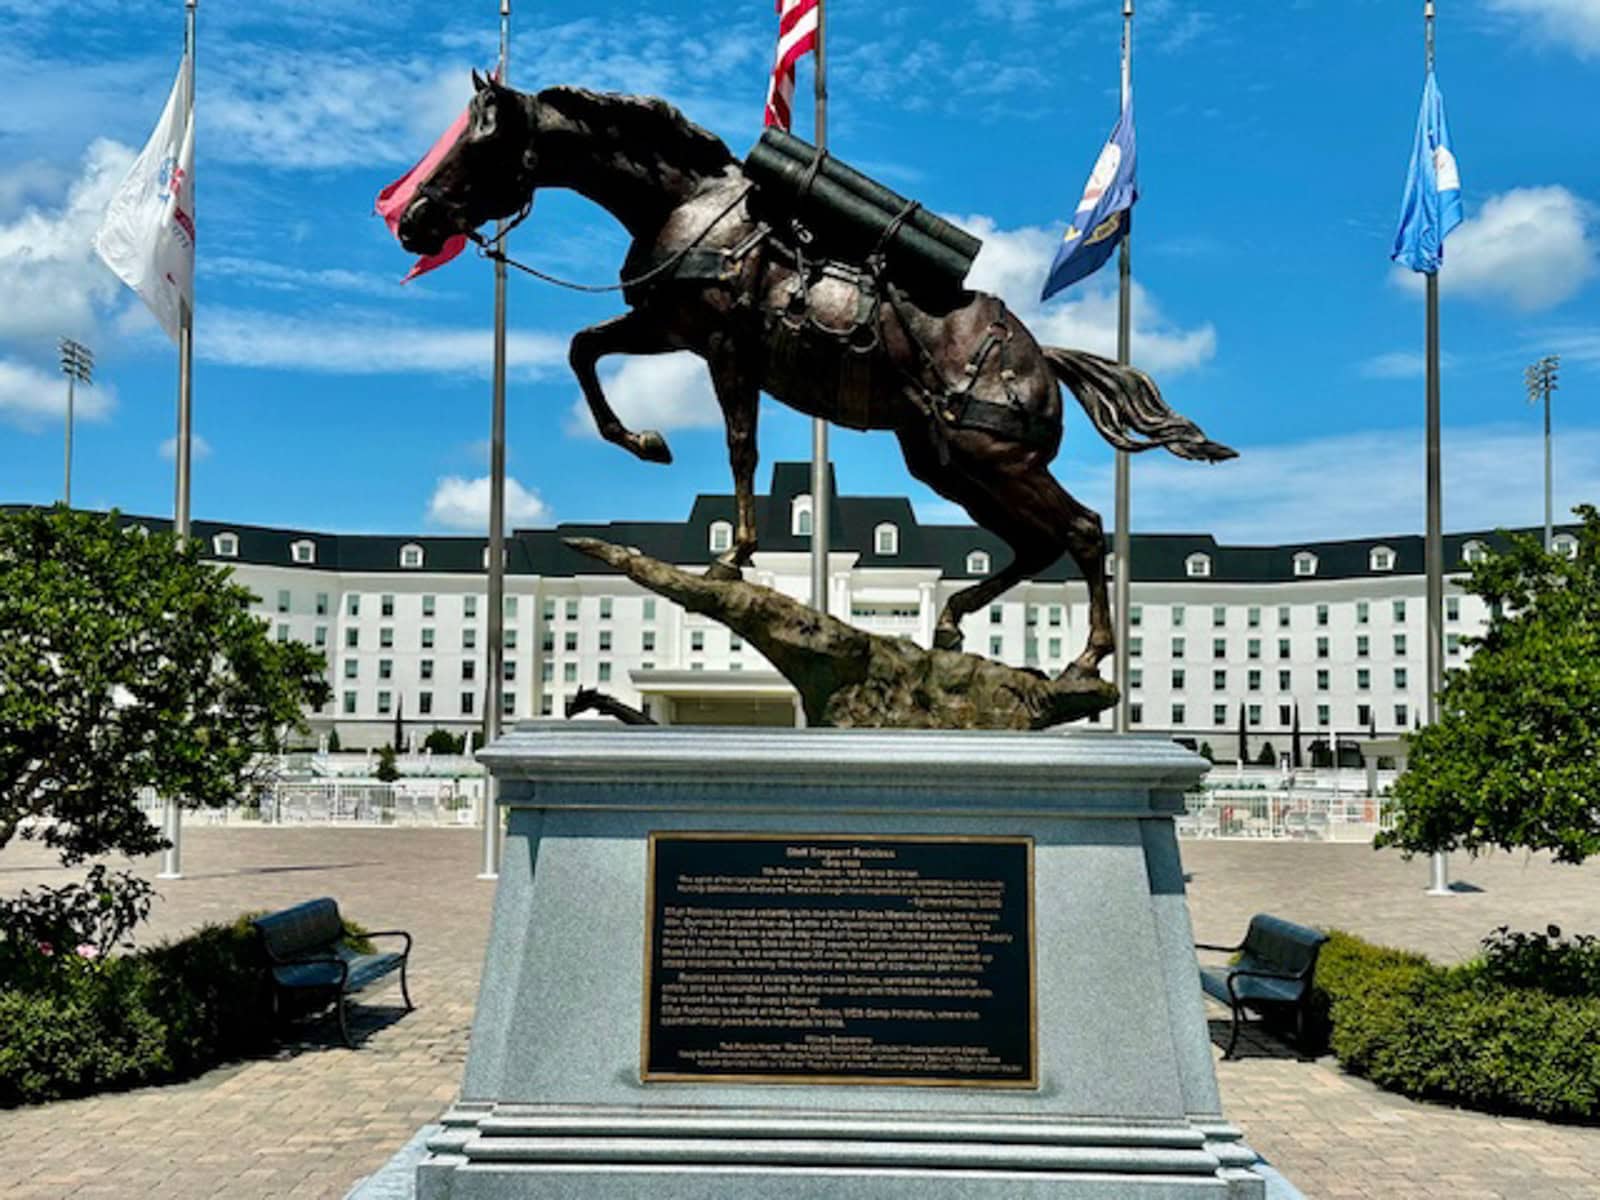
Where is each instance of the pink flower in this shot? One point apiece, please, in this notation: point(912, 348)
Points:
point(46, 949)
point(88, 950)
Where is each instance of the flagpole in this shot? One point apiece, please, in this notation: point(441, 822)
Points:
point(819, 428)
point(1439, 884)
point(497, 523)
point(1122, 540)
point(172, 856)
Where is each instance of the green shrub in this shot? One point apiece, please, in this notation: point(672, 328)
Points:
point(72, 1024)
point(1544, 960)
point(1460, 1034)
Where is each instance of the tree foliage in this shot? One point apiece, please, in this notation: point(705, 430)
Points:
point(1514, 759)
point(128, 663)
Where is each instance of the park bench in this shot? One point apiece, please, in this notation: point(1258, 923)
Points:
point(1274, 972)
point(306, 952)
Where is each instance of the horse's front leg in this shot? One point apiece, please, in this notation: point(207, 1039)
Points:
point(739, 393)
point(631, 333)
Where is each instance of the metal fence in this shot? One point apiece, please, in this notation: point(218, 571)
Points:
point(1285, 815)
point(430, 802)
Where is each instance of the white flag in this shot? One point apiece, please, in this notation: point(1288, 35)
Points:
point(147, 236)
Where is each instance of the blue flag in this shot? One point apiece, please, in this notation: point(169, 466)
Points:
point(1104, 214)
point(1432, 204)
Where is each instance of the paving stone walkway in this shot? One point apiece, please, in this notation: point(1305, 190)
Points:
point(313, 1119)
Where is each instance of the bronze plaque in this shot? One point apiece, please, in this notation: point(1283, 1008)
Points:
point(777, 958)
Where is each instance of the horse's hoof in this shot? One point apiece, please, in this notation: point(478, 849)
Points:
point(652, 447)
point(947, 637)
point(723, 571)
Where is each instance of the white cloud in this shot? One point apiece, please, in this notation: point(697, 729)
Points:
point(1361, 484)
point(1401, 364)
point(463, 504)
point(1568, 24)
point(1530, 247)
point(363, 344)
point(33, 399)
point(663, 392)
point(280, 277)
point(199, 448)
point(1013, 265)
point(51, 282)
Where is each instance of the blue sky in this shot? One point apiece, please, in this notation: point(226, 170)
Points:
point(1273, 146)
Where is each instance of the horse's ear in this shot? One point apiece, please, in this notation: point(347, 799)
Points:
point(479, 84)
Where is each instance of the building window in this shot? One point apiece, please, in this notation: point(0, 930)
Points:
point(352, 668)
point(385, 703)
point(1219, 647)
point(469, 608)
point(469, 670)
point(1322, 616)
point(1177, 616)
point(978, 562)
point(225, 545)
point(1381, 559)
point(1401, 715)
point(1363, 714)
point(605, 640)
point(1055, 647)
point(303, 552)
point(721, 537)
point(1474, 552)
point(1283, 647)
point(800, 515)
point(572, 609)
point(1253, 680)
point(425, 668)
point(547, 706)
point(996, 614)
point(386, 668)
point(427, 638)
point(569, 672)
point(1399, 612)
point(508, 670)
point(1219, 616)
point(1253, 618)
point(547, 610)
point(1283, 616)
point(1285, 715)
point(547, 641)
point(886, 539)
point(1055, 616)
point(1177, 679)
point(321, 605)
point(505, 556)
point(1198, 566)
point(650, 608)
point(1135, 647)
point(1363, 612)
point(1253, 648)
point(1285, 681)
point(1565, 545)
point(1219, 714)
point(386, 637)
point(508, 703)
point(411, 557)
point(283, 601)
point(1219, 681)
point(1178, 715)
point(1177, 647)
point(1363, 646)
point(319, 636)
point(996, 647)
point(697, 641)
point(1135, 615)
point(1324, 715)
point(386, 606)
point(1254, 712)
point(1452, 608)
point(469, 639)
point(1322, 679)
point(1363, 679)
point(1136, 714)
point(569, 642)
point(647, 641)
point(735, 643)
point(1305, 563)
point(511, 639)
point(605, 608)
point(349, 704)
point(547, 672)
point(604, 672)
point(466, 704)
point(1399, 645)
point(1452, 644)
point(1135, 678)
point(352, 639)
point(1399, 679)
point(424, 703)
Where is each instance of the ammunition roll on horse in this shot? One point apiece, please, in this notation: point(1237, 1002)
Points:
point(794, 275)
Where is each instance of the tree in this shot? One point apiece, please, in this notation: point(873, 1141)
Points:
point(1207, 753)
point(386, 771)
point(442, 741)
point(1514, 758)
point(1267, 756)
point(128, 663)
point(333, 741)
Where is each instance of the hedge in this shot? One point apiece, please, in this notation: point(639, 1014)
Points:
point(1461, 1034)
point(72, 1026)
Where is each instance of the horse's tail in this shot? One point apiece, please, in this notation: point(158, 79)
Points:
point(1126, 406)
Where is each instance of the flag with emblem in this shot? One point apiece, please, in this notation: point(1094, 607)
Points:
point(1105, 213)
point(147, 235)
point(797, 37)
point(1431, 207)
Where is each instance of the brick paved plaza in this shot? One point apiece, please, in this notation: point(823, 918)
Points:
point(317, 1117)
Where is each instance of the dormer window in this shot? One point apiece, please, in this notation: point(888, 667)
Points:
point(978, 562)
point(411, 557)
point(1565, 545)
point(303, 552)
point(721, 537)
point(1381, 559)
point(886, 539)
point(1197, 566)
point(800, 516)
point(1305, 564)
point(225, 545)
point(505, 555)
point(1474, 552)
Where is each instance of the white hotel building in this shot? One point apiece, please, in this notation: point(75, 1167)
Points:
point(1335, 628)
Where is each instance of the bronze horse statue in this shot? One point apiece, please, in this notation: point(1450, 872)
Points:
point(969, 393)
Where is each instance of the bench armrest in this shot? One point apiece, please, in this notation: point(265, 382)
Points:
point(1291, 976)
point(401, 933)
point(1223, 949)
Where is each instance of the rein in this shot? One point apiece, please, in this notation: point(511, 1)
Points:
point(493, 250)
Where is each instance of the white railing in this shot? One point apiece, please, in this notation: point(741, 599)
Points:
point(1285, 815)
point(417, 802)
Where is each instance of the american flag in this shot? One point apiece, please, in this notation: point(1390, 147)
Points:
point(797, 37)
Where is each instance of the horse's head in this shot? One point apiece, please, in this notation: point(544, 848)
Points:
point(487, 175)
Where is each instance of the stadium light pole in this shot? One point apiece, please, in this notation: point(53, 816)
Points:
point(77, 364)
point(1541, 380)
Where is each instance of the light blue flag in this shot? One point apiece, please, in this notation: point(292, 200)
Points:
point(1104, 214)
point(1432, 204)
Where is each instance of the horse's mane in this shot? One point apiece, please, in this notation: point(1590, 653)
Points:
point(646, 121)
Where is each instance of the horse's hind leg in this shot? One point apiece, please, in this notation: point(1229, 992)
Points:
point(739, 394)
point(631, 333)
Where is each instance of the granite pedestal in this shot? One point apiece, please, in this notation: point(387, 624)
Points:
point(554, 1104)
